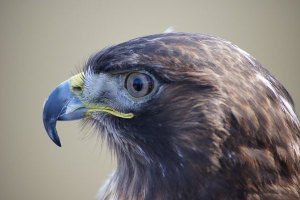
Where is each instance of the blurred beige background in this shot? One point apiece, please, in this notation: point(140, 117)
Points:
point(42, 43)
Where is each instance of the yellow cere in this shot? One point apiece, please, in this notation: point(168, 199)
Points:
point(77, 81)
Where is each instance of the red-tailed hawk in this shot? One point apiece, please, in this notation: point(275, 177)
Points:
point(189, 116)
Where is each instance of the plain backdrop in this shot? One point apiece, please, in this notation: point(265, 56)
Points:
point(42, 43)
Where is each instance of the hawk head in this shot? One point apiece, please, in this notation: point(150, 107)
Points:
point(189, 116)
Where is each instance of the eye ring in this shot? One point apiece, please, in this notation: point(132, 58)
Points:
point(139, 84)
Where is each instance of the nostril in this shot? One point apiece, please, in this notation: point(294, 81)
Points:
point(77, 89)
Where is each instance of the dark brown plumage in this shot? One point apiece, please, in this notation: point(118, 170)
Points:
point(216, 126)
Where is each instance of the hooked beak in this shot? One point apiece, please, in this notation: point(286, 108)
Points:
point(65, 103)
point(62, 105)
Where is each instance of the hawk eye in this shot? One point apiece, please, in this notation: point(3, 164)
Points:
point(139, 84)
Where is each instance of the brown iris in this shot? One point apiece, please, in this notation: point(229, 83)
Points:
point(139, 84)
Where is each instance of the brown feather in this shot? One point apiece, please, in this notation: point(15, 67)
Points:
point(222, 127)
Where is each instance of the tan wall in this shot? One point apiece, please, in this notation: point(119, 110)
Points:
point(42, 43)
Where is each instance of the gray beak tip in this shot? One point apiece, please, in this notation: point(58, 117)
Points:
point(50, 126)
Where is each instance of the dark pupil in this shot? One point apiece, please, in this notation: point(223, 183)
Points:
point(137, 84)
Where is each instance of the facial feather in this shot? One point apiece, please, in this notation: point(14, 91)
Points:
point(215, 125)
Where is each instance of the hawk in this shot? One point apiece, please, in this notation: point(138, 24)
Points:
point(189, 116)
